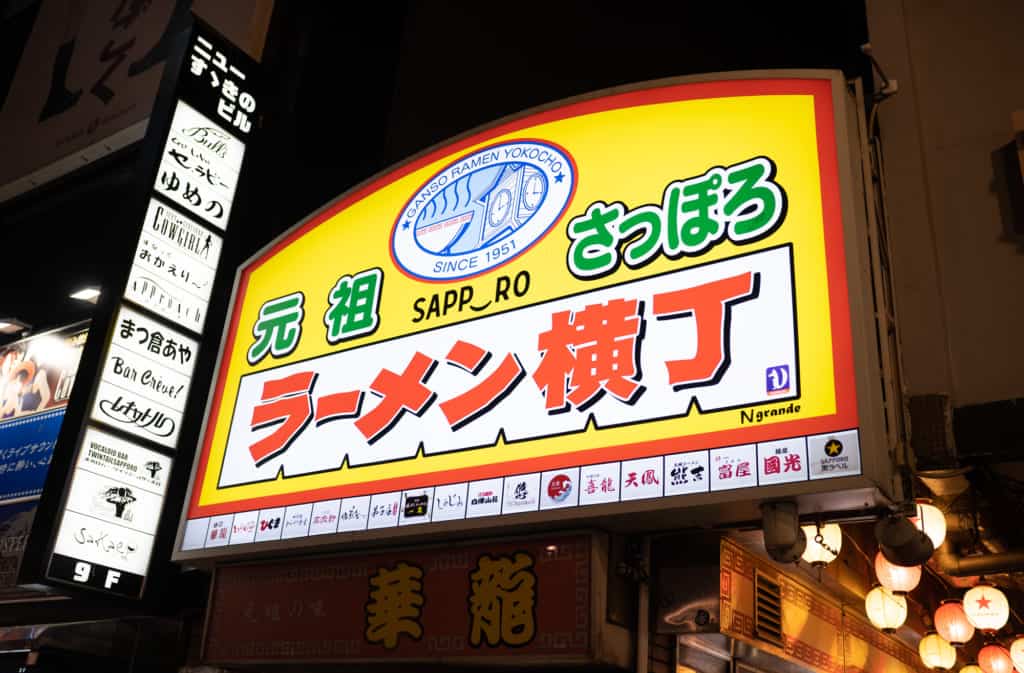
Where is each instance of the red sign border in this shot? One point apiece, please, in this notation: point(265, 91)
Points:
point(842, 351)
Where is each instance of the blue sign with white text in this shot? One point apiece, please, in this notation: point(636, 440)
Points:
point(26, 446)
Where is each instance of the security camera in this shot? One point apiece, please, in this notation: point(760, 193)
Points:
point(783, 538)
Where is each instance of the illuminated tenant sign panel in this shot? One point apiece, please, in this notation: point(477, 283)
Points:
point(631, 296)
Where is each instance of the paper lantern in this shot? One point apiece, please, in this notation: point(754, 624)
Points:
point(936, 652)
point(1017, 653)
point(886, 610)
point(971, 668)
point(986, 608)
point(823, 544)
point(931, 521)
point(897, 579)
point(995, 658)
point(951, 623)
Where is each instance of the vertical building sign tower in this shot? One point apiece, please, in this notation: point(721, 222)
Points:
point(125, 450)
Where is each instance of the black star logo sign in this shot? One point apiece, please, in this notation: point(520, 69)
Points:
point(833, 447)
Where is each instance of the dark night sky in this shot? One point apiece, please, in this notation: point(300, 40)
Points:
point(353, 91)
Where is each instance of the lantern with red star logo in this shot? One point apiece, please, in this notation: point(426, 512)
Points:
point(986, 608)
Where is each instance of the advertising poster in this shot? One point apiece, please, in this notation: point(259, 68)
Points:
point(633, 296)
point(88, 75)
point(15, 525)
point(36, 377)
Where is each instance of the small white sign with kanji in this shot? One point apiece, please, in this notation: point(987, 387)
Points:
point(733, 467)
point(642, 478)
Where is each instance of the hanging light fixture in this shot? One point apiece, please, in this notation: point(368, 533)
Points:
point(952, 624)
point(994, 658)
point(971, 668)
point(886, 610)
point(986, 608)
point(1017, 653)
point(930, 520)
point(936, 652)
point(898, 579)
point(823, 544)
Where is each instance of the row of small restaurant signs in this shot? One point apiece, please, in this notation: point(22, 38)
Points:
point(510, 322)
point(728, 468)
point(124, 457)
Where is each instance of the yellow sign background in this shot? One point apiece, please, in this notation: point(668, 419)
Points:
point(627, 154)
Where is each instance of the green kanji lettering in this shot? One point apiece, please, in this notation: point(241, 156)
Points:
point(353, 306)
point(278, 328)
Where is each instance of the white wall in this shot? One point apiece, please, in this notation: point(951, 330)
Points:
point(959, 284)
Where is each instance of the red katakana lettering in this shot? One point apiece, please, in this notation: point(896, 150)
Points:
point(284, 401)
point(482, 398)
point(590, 352)
point(710, 306)
point(468, 356)
point(338, 405)
point(400, 393)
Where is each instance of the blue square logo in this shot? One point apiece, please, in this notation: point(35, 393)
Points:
point(777, 380)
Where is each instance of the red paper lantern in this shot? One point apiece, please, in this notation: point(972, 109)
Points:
point(995, 658)
point(952, 624)
point(898, 579)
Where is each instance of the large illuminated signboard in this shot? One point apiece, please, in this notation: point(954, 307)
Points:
point(634, 296)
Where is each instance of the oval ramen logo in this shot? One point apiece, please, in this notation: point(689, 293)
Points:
point(483, 210)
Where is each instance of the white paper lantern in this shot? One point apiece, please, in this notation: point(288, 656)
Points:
point(886, 610)
point(931, 521)
point(936, 652)
point(821, 553)
point(986, 607)
point(1017, 653)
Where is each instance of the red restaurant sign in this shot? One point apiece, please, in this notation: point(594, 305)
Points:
point(522, 599)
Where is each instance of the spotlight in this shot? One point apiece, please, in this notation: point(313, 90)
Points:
point(89, 294)
point(12, 325)
point(783, 538)
point(901, 542)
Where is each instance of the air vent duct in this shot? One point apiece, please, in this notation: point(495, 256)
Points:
point(767, 610)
